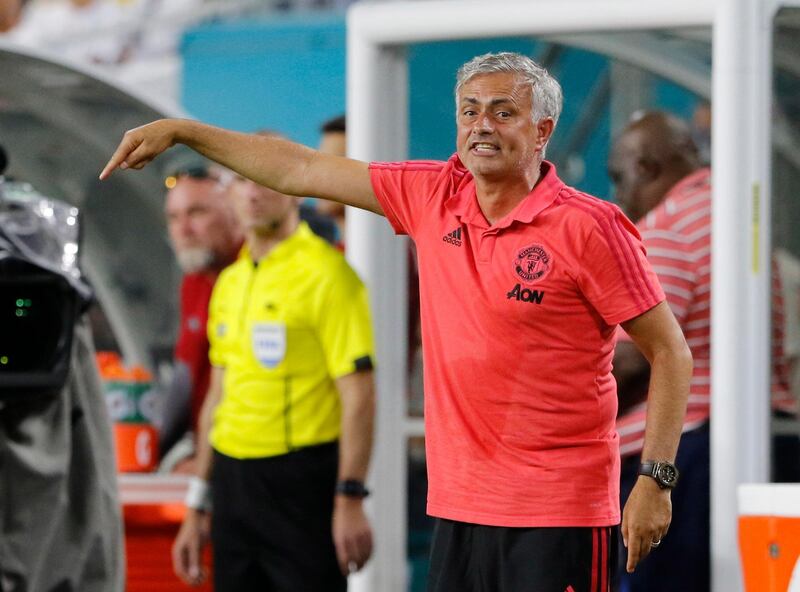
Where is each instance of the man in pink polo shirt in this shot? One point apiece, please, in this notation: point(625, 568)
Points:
point(523, 282)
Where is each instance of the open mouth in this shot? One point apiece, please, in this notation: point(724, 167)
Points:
point(483, 148)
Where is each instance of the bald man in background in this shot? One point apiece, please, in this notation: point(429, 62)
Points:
point(205, 237)
point(662, 185)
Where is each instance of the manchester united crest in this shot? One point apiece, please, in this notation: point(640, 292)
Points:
point(532, 263)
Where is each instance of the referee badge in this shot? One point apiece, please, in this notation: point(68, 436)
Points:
point(269, 343)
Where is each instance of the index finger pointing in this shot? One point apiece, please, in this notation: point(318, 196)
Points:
point(634, 553)
point(118, 158)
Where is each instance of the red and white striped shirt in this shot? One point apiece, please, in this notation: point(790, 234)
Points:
point(677, 235)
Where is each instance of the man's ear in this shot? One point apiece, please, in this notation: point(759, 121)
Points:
point(545, 128)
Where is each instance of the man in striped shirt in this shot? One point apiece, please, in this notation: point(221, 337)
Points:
point(663, 187)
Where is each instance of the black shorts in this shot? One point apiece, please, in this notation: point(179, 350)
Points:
point(271, 522)
point(474, 558)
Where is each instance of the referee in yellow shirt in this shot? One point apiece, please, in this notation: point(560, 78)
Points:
point(286, 429)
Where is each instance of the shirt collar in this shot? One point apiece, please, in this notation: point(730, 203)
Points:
point(301, 233)
point(697, 178)
point(464, 203)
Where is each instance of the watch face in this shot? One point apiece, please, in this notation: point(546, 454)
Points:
point(667, 474)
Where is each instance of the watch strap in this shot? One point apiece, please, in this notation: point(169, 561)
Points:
point(653, 469)
point(352, 488)
point(648, 468)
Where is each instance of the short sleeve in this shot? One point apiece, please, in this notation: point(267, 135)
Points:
point(615, 276)
point(344, 325)
point(403, 189)
point(218, 327)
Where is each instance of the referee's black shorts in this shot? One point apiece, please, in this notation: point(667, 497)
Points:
point(271, 522)
point(474, 558)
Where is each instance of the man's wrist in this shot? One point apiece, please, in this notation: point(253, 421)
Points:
point(664, 473)
point(347, 504)
point(198, 495)
point(182, 131)
point(351, 488)
point(650, 484)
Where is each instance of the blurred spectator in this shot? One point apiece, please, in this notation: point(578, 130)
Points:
point(135, 41)
point(333, 141)
point(205, 237)
point(701, 131)
point(662, 185)
point(311, 4)
point(10, 12)
point(319, 222)
point(73, 28)
point(111, 32)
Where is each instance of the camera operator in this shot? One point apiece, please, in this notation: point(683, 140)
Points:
point(60, 525)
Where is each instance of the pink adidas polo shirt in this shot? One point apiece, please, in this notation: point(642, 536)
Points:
point(518, 325)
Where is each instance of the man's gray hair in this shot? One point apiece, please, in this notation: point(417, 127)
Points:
point(546, 94)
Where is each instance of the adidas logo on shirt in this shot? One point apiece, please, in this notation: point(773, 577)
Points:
point(454, 238)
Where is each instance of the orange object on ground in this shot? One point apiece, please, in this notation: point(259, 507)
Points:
point(131, 402)
point(149, 533)
point(137, 447)
point(153, 514)
point(769, 537)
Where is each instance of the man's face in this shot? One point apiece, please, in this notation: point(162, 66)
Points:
point(259, 208)
point(497, 137)
point(201, 224)
point(628, 172)
point(333, 143)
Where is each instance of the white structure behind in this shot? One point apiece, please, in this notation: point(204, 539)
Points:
point(740, 255)
point(378, 130)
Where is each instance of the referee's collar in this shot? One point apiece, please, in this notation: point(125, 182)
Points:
point(300, 235)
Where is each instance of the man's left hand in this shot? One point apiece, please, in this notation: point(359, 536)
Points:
point(645, 520)
point(352, 534)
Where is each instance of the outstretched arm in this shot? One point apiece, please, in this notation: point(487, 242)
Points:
point(274, 162)
point(648, 512)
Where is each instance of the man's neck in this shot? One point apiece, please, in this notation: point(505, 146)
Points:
point(672, 178)
point(498, 197)
point(261, 241)
point(222, 261)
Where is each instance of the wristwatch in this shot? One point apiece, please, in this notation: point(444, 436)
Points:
point(665, 473)
point(352, 488)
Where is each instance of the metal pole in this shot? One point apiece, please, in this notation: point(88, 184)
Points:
point(740, 319)
point(377, 129)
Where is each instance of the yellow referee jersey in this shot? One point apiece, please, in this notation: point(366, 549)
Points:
point(284, 329)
